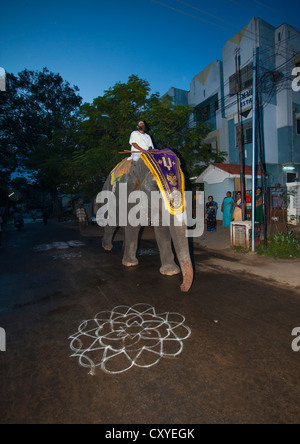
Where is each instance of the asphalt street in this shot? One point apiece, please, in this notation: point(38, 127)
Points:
point(218, 354)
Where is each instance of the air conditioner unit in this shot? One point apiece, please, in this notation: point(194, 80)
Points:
point(293, 210)
point(241, 234)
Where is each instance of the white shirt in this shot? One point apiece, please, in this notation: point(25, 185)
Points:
point(144, 141)
point(80, 213)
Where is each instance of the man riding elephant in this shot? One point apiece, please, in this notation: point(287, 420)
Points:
point(140, 141)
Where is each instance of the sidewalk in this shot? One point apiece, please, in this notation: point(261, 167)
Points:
point(223, 258)
point(278, 271)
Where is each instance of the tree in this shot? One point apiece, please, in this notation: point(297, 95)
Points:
point(170, 129)
point(105, 129)
point(37, 109)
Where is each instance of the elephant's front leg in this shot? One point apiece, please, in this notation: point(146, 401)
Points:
point(108, 237)
point(131, 245)
point(164, 242)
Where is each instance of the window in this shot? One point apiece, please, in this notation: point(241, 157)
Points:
point(246, 133)
point(279, 37)
point(203, 114)
point(291, 177)
point(298, 126)
point(245, 80)
point(207, 109)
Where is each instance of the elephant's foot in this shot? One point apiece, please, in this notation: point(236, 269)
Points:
point(170, 270)
point(107, 246)
point(130, 263)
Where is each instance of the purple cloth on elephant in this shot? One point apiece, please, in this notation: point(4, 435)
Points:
point(165, 167)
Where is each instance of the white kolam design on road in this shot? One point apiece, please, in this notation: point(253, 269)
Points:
point(125, 337)
point(68, 256)
point(58, 245)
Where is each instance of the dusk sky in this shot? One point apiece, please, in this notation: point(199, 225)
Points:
point(95, 44)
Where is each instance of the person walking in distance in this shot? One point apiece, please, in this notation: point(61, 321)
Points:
point(81, 216)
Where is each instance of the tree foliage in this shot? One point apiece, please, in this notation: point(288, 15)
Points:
point(37, 109)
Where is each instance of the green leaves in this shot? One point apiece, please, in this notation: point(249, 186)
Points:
point(38, 120)
point(282, 246)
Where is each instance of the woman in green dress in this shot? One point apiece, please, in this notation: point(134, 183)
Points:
point(259, 206)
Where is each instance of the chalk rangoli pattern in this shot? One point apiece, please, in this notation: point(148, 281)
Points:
point(128, 336)
point(67, 256)
point(58, 245)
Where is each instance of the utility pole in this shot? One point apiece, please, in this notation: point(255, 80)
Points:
point(254, 114)
point(240, 140)
point(262, 164)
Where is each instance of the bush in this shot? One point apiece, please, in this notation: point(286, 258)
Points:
point(282, 246)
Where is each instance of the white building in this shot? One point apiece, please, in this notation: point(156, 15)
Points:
point(213, 93)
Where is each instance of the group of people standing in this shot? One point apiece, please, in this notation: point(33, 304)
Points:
point(232, 210)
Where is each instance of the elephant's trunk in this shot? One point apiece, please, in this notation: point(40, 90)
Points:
point(188, 276)
point(181, 245)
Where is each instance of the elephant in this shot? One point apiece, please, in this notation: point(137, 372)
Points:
point(140, 178)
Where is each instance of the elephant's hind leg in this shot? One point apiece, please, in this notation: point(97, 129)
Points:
point(164, 242)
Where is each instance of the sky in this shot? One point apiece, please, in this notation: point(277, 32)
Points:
point(94, 44)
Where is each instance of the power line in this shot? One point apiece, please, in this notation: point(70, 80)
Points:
point(207, 13)
point(271, 43)
point(249, 9)
point(222, 100)
point(190, 15)
point(240, 4)
point(274, 10)
point(229, 101)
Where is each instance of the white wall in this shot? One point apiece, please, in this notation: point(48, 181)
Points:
point(206, 84)
point(271, 134)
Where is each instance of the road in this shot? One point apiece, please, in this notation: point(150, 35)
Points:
point(231, 335)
